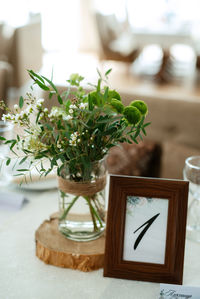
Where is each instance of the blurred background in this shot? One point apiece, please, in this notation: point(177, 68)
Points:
point(152, 46)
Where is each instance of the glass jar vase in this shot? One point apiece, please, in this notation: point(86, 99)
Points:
point(82, 202)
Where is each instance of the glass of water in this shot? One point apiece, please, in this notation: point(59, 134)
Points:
point(6, 131)
point(191, 173)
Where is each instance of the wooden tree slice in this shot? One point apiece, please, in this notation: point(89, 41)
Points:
point(55, 249)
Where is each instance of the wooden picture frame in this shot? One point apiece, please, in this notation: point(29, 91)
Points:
point(146, 226)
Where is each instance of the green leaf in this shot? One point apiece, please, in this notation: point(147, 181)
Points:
point(23, 169)
point(33, 74)
point(51, 94)
point(37, 118)
point(2, 138)
point(41, 85)
point(144, 132)
point(23, 160)
point(147, 124)
point(134, 139)
point(13, 144)
point(21, 102)
point(60, 99)
point(99, 85)
point(98, 72)
point(90, 104)
point(108, 72)
point(105, 96)
point(50, 83)
point(8, 161)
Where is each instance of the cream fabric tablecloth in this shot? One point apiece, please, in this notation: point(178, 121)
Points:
point(24, 276)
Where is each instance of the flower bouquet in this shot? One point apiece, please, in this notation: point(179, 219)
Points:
point(75, 136)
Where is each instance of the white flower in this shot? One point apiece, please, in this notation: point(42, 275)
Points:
point(71, 111)
point(72, 106)
point(40, 101)
point(45, 110)
point(83, 105)
point(54, 112)
point(4, 117)
point(41, 115)
point(22, 114)
point(16, 106)
point(17, 117)
point(73, 138)
point(29, 109)
point(67, 117)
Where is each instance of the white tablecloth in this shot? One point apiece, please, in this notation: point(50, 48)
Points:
point(24, 276)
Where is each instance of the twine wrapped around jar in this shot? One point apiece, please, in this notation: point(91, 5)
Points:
point(82, 189)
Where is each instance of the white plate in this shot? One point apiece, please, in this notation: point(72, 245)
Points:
point(46, 184)
point(35, 182)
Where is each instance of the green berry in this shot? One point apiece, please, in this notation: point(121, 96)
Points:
point(112, 94)
point(132, 114)
point(117, 105)
point(141, 106)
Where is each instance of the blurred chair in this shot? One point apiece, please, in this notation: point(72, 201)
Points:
point(22, 48)
point(110, 32)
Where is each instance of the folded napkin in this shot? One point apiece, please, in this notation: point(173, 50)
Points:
point(11, 201)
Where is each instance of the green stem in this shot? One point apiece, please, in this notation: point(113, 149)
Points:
point(68, 208)
point(94, 212)
point(99, 208)
point(91, 212)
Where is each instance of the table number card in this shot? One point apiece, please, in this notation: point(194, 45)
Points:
point(170, 291)
point(146, 224)
point(145, 229)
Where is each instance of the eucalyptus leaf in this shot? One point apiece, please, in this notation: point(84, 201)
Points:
point(21, 102)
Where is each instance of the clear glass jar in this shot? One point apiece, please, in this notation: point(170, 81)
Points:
point(191, 173)
point(82, 203)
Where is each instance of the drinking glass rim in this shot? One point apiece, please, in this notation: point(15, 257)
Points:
point(7, 126)
point(187, 161)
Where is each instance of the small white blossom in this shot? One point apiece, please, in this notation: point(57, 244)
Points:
point(40, 101)
point(22, 114)
point(4, 117)
point(29, 109)
point(83, 105)
point(71, 111)
point(73, 138)
point(16, 107)
point(72, 106)
point(67, 117)
point(17, 117)
point(41, 115)
point(45, 110)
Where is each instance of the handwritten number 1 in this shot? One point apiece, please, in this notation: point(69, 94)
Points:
point(148, 223)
